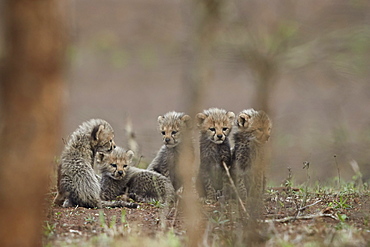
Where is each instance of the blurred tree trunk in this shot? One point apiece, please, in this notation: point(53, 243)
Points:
point(265, 71)
point(204, 16)
point(31, 92)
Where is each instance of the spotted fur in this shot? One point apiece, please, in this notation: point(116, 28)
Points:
point(119, 177)
point(254, 130)
point(78, 184)
point(215, 126)
point(173, 126)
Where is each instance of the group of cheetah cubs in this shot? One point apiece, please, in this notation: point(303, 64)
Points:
point(92, 145)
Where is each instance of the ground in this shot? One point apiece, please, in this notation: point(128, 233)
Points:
point(291, 217)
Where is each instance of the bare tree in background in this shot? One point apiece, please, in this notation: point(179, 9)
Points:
point(313, 43)
point(260, 35)
point(281, 37)
point(204, 16)
point(31, 92)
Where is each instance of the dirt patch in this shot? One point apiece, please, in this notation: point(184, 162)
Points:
point(290, 217)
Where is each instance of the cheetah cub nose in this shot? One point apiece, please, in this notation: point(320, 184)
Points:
point(167, 139)
point(219, 136)
point(120, 172)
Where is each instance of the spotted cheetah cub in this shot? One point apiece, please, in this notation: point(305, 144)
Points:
point(172, 126)
point(119, 177)
point(254, 129)
point(78, 184)
point(215, 126)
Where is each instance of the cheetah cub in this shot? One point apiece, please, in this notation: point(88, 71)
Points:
point(78, 184)
point(215, 126)
point(254, 129)
point(172, 126)
point(119, 177)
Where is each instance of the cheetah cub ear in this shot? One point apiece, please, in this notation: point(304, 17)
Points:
point(130, 155)
point(200, 118)
point(100, 157)
point(186, 119)
point(96, 132)
point(230, 115)
point(160, 119)
point(243, 120)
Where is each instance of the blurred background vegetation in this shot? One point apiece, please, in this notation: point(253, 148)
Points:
point(304, 62)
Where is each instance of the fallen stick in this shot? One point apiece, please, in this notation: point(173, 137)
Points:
point(233, 186)
point(175, 213)
point(305, 217)
point(303, 208)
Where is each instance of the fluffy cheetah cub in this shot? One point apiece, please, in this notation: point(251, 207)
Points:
point(78, 184)
point(118, 178)
point(254, 129)
point(172, 126)
point(215, 126)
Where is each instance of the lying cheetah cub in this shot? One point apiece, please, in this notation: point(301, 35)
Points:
point(254, 129)
point(78, 184)
point(215, 126)
point(118, 178)
point(172, 127)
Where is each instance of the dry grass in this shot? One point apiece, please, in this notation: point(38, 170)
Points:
point(292, 216)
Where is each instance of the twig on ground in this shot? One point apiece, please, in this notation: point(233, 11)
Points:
point(175, 213)
point(304, 217)
point(303, 208)
point(234, 187)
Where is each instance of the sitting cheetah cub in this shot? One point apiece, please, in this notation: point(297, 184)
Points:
point(254, 129)
point(215, 126)
point(118, 178)
point(78, 184)
point(172, 127)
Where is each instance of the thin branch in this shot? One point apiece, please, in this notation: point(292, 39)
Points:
point(234, 187)
point(303, 208)
point(305, 217)
point(175, 213)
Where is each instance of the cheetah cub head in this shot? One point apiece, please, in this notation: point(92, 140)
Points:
point(255, 122)
point(102, 138)
point(216, 124)
point(116, 163)
point(172, 126)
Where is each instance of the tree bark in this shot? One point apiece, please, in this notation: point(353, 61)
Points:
point(31, 105)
